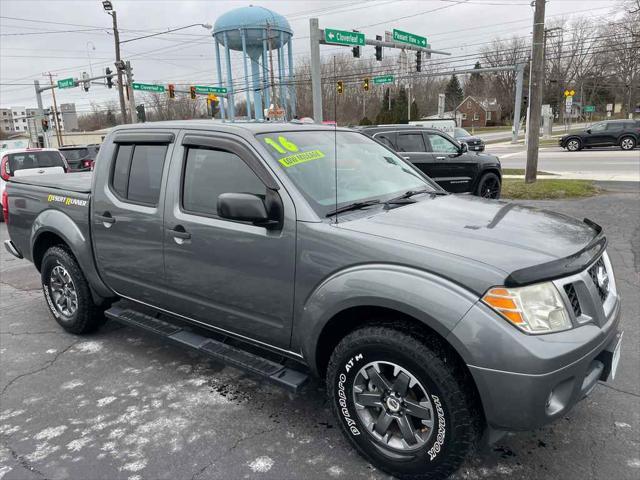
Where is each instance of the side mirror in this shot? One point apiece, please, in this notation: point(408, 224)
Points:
point(464, 148)
point(588, 130)
point(244, 207)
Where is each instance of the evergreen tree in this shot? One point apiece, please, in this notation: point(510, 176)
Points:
point(454, 94)
point(475, 86)
point(400, 108)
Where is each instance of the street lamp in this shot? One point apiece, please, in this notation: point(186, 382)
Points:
point(106, 4)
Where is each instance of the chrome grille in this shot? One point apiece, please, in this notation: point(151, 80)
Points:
point(570, 290)
point(600, 278)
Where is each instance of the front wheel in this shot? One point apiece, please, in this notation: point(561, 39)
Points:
point(489, 186)
point(67, 292)
point(627, 143)
point(404, 405)
point(574, 145)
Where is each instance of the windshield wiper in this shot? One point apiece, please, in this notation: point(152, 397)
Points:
point(408, 195)
point(352, 206)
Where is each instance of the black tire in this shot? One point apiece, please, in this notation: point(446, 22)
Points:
point(573, 145)
point(489, 186)
point(86, 317)
point(627, 143)
point(456, 422)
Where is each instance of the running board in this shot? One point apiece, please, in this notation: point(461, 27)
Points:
point(273, 371)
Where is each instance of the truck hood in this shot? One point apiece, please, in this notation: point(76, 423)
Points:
point(504, 235)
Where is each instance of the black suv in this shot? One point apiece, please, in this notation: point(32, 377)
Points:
point(80, 157)
point(442, 158)
point(611, 133)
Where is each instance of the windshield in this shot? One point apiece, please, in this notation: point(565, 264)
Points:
point(43, 159)
point(461, 132)
point(365, 169)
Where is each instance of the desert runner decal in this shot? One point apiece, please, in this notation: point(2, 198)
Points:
point(67, 200)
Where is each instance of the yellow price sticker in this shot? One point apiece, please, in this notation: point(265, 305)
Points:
point(302, 157)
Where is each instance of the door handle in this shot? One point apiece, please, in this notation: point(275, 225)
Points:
point(441, 158)
point(179, 232)
point(106, 219)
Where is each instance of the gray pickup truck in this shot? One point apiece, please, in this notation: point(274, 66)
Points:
point(438, 321)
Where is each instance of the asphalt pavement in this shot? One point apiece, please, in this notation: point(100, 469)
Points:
point(501, 135)
point(608, 163)
point(121, 405)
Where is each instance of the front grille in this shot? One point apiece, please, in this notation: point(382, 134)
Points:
point(602, 283)
point(573, 298)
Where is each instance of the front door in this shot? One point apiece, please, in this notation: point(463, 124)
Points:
point(411, 146)
point(231, 275)
point(127, 214)
point(596, 135)
point(455, 171)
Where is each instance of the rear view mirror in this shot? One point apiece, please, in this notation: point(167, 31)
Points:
point(243, 207)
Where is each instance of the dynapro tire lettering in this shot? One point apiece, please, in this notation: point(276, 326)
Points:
point(433, 452)
point(342, 401)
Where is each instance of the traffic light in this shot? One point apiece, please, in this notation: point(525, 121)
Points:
point(340, 87)
point(525, 101)
point(172, 90)
point(141, 113)
point(356, 50)
point(45, 124)
point(365, 84)
point(192, 92)
point(418, 61)
point(109, 74)
point(379, 49)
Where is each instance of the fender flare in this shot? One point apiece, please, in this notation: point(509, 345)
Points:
point(436, 302)
point(60, 224)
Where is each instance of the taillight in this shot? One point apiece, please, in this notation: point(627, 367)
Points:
point(87, 163)
point(5, 206)
point(4, 168)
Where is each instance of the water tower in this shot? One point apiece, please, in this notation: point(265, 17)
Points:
point(261, 35)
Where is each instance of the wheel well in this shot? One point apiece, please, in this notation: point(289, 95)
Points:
point(354, 318)
point(45, 241)
point(492, 170)
point(627, 135)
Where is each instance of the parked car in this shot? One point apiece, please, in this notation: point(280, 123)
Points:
point(475, 144)
point(28, 161)
point(80, 157)
point(443, 158)
point(435, 319)
point(610, 133)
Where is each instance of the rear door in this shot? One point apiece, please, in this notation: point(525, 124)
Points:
point(231, 275)
point(613, 132)
point(127, 213)
point(454, 171)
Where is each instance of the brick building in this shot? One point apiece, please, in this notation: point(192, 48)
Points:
point(479, 112)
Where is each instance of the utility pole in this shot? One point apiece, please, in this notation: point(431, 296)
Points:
point(116, 38)
point(316, 82)
point(132, 101)
point(55, 111)
point(273, 83)
point(535, 98)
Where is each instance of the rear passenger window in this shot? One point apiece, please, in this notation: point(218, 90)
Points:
point(209, 173)
point(410, 142)
point(386, 140)
point(137, 173)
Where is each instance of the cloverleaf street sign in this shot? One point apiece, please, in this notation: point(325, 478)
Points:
point(343, 37)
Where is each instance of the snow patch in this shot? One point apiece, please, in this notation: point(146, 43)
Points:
point(43, 450)
point(261, 464)
point(106, 401)
point(51, 432)
point(89, 347)
point(335, 471)
point(51, 350)
point(4, 471)
point(135, 466)
point(634, 463)
point(622, 425)
point(10, 414)
point(70, 385)
point(78, 444)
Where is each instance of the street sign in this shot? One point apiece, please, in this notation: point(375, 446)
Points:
point(589, 108)
point(148, 87)
point(66, 83)
point(383, 79)
point(568, 103)
point(609, 107)
point(410, 38)
point(343, 37)
point(569, 93)
point(207, 90)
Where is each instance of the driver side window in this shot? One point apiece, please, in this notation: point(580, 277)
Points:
point(599, 127)
point(440, 144)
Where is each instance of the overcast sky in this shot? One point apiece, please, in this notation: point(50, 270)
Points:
point(31, 43)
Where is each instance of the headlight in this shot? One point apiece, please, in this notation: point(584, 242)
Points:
point(533, 309)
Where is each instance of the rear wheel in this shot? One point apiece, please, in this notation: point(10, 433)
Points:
point(574, 144)
point(403, 404)
point(67, 292)
point(489, 186)
point(627, 143)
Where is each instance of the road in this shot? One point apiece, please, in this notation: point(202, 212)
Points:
point(596, 163)
point(121, 405)
point(502, 135)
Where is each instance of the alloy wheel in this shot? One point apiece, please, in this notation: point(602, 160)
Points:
point(573, 145)
point(393, 405)
point(63, 291)
point(490, 188)
point(627, 144)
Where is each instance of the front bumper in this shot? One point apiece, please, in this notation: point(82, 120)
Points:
point(526, 381)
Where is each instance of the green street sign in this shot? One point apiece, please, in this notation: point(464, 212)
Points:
point(410, 38)
point(207, 90)
point(148, 87)
point(589, 108)
point(343, 37)
point(383, 79)
point(66, 83)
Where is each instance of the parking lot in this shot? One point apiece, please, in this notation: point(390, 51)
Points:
point(120, 405)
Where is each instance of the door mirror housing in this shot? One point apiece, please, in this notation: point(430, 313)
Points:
point(464, 148)
point(243, 207)
point(589, 130)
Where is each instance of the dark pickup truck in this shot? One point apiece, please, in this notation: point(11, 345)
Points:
point(438, 321)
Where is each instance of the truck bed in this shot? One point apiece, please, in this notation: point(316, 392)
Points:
point(72, 182)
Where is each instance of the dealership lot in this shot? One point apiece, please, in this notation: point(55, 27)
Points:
point(120, 405)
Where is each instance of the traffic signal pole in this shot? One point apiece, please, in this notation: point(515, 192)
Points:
point(55, 112)
point(518, 103)
point(116, 38)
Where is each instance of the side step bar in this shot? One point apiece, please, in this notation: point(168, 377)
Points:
point(219, 350)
